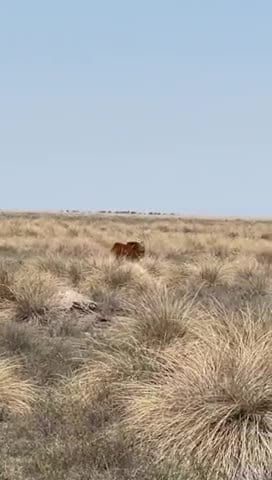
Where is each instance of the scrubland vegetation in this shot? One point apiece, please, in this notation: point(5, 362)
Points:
point(150, 370)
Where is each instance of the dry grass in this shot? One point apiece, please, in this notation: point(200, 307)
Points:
point(211, 408)
point(166, 376)
point(16, 394)
point(158, 318)
point(33, 295)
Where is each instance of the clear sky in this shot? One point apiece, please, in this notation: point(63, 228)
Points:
point(147, 105)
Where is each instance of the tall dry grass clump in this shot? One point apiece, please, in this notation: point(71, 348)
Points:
point(210, 270)
point(33, 295)
point(16, 394)
point(128, 350)
point(6, 279)
point(69, 269)
point(252, 277)
point(158, 316)
point(210, 409)
point(121, 275)
point(97, 381)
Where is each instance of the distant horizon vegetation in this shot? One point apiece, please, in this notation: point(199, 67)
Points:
point(135, 213)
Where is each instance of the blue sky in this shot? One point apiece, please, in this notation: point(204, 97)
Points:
point(147, 105)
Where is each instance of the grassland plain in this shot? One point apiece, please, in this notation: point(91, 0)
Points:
point(149, 370)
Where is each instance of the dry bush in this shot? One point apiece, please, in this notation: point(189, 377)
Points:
point(211, 409)
point(16, 394)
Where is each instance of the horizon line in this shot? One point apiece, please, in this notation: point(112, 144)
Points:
point(134, 213)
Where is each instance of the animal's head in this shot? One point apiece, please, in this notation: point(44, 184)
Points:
point(136, 249)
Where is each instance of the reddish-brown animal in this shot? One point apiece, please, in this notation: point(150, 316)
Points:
point(132, 250)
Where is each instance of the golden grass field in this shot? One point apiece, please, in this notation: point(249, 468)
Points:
point(150, 370)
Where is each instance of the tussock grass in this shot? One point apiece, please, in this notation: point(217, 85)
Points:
point(212, 410)
point(159, 317)
point(57, 265)
point(16, 338)
point(115, 275)
point(6, 282)
point(33, 296)
point(16, 394)
point(264, 256)
point(253, 278)
point(109, 302)
point(48, 353)
point(156, 267)
point(111, 363)
point(69, 270)
point(210, 271)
